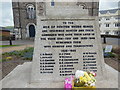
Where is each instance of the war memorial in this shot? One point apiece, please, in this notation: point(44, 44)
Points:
point(67, 39)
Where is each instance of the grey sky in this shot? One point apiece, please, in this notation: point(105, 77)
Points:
point(7, 15)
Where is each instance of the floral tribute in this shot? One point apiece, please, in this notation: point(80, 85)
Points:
point(81, 79)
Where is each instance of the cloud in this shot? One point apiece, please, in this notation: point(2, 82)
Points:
point(6, 14)
point(108, 4)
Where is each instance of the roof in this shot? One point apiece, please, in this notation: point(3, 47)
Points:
point(4, 29)
point(110, 11)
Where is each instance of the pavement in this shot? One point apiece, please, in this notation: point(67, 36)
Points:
point(18, 42)
point(115, 42)
point(30, 43)
point(9, 49)
point(23, 44)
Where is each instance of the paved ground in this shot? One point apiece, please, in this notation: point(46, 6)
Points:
point(18, 42)
point(113, 62)
point(8, 66)
point(112, 41)
point(9, 49)
point(23, 44)
point(30, 43)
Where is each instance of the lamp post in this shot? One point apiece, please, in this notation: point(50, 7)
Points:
point(104, 40)
point(10, 40)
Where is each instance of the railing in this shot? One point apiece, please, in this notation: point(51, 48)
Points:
point(109, 36)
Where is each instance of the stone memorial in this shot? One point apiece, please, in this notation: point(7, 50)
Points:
point(67, 39)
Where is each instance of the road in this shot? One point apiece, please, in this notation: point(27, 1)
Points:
point(112, 41)
point(18, 42)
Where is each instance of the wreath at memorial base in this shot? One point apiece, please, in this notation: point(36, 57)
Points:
point(82, 79)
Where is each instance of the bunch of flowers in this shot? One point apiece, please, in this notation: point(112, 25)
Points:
point(84, 79)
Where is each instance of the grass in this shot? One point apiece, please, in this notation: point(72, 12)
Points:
point(8, 45)
point(109, 55)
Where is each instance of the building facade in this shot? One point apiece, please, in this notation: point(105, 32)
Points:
point(4, 34)
point(24, 14)
point(109, 22)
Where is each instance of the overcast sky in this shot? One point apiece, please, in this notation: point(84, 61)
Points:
point(7, 16)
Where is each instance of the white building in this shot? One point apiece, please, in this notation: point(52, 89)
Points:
point(109, 21)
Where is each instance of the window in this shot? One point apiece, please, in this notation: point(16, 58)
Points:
point(118, 17)
point(107, 33)
point(117, 24)
point(117, 32)
point(107, 18)
point(30, 12)
point(99, 25)
point(107, 25)
point(52, 3)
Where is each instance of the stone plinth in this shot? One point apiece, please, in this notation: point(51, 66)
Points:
point(20, 78)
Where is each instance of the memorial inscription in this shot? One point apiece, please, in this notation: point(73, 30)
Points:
point(76, 41)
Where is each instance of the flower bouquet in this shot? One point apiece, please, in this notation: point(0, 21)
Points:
point(84, 79)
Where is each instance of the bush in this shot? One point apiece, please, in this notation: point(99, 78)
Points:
point(109, 55)
point(28, 56)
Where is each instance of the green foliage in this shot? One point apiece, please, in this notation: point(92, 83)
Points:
point(117, 51)
point(109, 55)
point(26, 54)
point(2, 60)
point(8, 45)
point(103, 49)
point(9, 27)
point(118, 57)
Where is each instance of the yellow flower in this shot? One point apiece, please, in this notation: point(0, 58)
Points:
point(87, 76)
point(83, 79)
point(8, 58)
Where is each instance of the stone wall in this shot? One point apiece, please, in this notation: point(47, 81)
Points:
point(20, 17)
